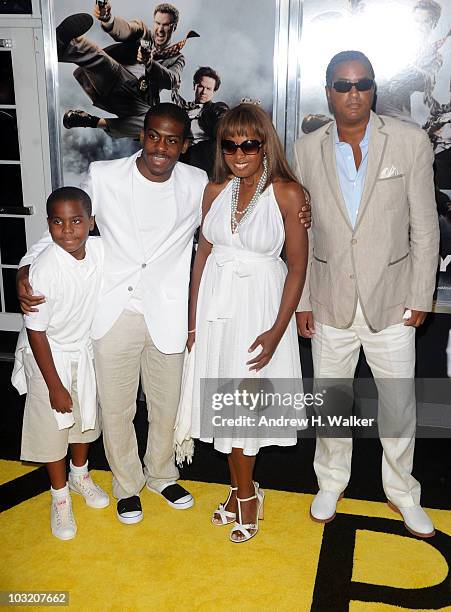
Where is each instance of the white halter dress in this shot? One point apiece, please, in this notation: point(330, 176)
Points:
point(239, 298)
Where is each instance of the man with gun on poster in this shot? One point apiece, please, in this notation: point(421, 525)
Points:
point(126, 78)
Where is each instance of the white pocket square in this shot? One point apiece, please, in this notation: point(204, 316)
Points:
point(389, 172)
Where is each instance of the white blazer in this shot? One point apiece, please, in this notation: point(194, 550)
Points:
point(165, 276)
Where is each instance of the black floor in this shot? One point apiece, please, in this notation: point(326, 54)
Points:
point(288, 469)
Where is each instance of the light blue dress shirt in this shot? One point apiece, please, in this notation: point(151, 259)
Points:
point(352, 181)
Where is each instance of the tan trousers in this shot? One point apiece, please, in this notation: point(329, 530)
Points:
point(125, 352)
point(390, 354)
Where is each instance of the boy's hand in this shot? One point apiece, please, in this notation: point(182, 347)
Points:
point(28, 301)
point(60, 399)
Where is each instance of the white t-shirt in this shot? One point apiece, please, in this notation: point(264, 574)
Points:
point(71, 288)
point(152, 202)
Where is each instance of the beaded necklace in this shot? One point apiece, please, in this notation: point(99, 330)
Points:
point(250, 207)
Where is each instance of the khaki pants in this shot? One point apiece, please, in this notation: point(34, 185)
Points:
point(390, 354)
point(125, 352)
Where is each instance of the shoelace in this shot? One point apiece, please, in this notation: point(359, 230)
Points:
point(87, 485)
point(64, 511)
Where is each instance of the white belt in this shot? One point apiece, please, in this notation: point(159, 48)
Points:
point(232, 264)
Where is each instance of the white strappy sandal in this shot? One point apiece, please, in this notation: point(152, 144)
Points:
point(225, 516)
point(248, 530)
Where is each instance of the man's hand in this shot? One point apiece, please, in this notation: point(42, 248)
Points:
point(416, 318)
point(102, 14)
point(60, 399)
point(305, 323)
point(306, 215)
point(28, 301)
point(143, 56)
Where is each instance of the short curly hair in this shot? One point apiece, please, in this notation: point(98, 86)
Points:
point(171, 111)
point(69, 193)
point(169, 9)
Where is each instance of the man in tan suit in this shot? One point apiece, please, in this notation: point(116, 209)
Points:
point(373, 259)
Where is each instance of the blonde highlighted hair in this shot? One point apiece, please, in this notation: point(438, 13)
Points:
point(245, 120)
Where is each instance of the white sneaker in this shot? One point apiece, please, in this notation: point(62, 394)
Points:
point(324, 506)
point(83, 484)
point(415, 520)
point(62, 520)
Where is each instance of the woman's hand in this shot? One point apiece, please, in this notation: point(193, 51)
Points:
point(268, 341)
point(60, 399)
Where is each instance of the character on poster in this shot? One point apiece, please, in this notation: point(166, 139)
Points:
point(394, 95)
point(202, 154)
point(206, 82)
point(225, 44)
point(204, 115)
point(126, 78)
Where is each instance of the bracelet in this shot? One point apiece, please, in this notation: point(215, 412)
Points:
point(191, 331)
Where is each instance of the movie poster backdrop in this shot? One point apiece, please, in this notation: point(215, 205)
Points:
point(409, 45)
point(235, 38)
point(408, 42)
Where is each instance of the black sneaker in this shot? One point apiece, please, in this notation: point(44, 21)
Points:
point(72, 27)
point(176, 496)
point(129, 510)
point(79, 118)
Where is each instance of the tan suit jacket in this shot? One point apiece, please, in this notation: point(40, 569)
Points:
point(389, 259)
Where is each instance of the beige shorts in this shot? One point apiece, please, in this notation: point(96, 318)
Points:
point(42, 441)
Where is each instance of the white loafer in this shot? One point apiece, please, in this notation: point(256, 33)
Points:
point(415, 520)
point(324, 506)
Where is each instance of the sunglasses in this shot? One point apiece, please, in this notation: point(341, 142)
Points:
point(346, 86)
point(248, 147)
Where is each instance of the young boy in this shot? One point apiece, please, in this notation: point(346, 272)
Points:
point(54, 363)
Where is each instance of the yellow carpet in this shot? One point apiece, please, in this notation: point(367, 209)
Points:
point(12, 469)
point(177, 560)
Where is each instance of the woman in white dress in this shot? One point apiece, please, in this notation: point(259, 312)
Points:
point(242, 295)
